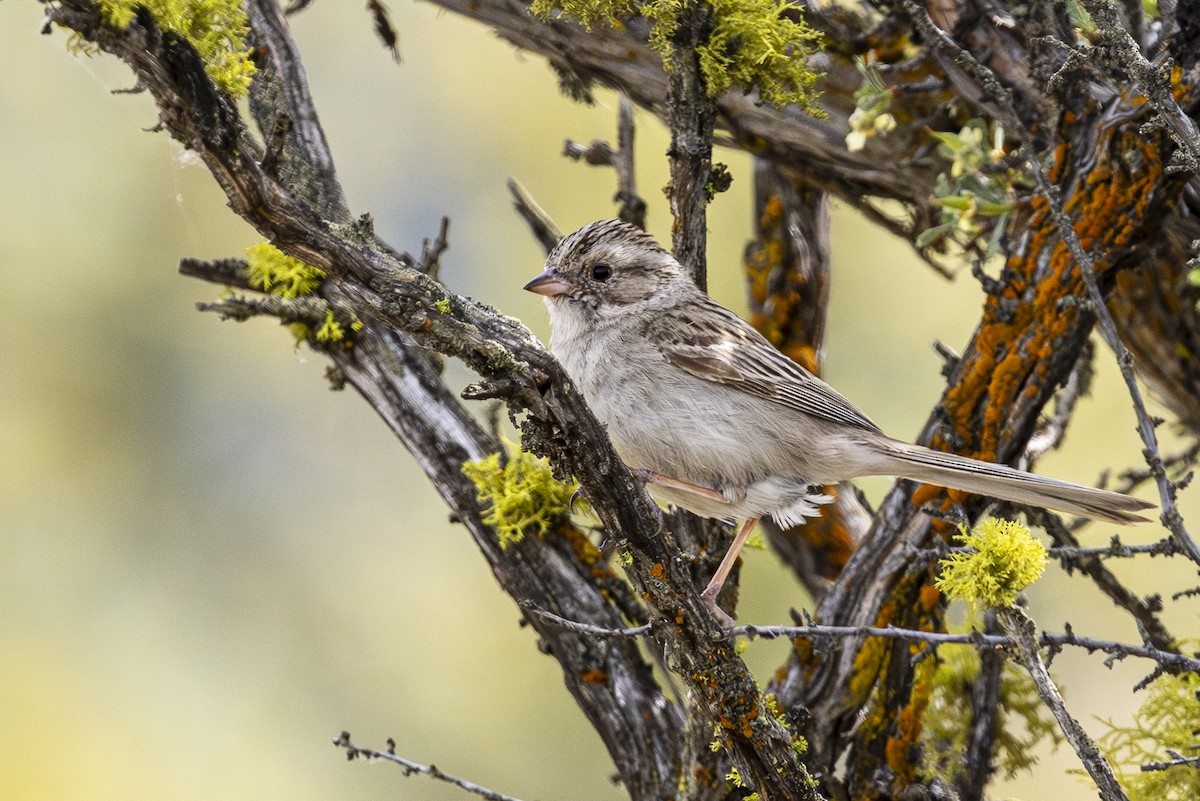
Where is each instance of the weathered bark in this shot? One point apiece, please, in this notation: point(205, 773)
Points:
point(408, 310)
point(859, 700)
point(788, 271)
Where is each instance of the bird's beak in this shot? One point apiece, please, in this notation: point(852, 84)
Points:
point(550, 284)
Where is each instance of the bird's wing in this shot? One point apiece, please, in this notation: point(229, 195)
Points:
point(721, 347)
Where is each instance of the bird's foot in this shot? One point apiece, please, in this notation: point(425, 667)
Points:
point(722, 617)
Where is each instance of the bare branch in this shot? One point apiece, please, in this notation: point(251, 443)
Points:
point(976, 639)
point(1177, 761)
point(691, 116)
point(431, 252)
point(633, 206)
point(601, 153)
point(539, 221)
point(1020, 629)
point(432, 771)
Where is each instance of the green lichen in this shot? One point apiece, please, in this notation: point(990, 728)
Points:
point(1006, 559)
point(520, 494)
point(761, 44)
point(1165, 729)
point(799, 744)
point(443, 305)
point(216, 28)
point(1022, 721)
point(273, 271)
point(331, 329)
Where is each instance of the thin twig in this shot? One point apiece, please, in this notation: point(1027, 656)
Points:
point(1115, 549)
point(431, 252)
point(539, 221)
point(633, 206)
point(601, 154)
point(598, 154)
point(1149, 79)
point(432, 771)
point(977, 639)
point(307, 310)
point(1177, 760)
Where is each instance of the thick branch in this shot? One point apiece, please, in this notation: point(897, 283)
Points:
point(690, 117)
point(403, 308)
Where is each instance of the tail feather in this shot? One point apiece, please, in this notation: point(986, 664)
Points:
point(1008, 484)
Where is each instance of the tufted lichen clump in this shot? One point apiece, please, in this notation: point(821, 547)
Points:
point(216, 28)
point(272, 271)
point(761, 44)
point(1005, 560)
point(519, 493)
point(1165, 735)
point(1021, 723)
point(331, 329)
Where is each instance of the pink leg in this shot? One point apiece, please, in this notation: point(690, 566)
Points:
point(666, 481)
point(718, 580)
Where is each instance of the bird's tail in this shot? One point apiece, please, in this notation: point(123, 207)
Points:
point(1006, 483)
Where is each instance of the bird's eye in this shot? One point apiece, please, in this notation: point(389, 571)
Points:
point(602, 272)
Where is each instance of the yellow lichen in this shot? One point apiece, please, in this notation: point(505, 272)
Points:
point(1006, 559)
point(1022, 721)
point(331, 330)
point(519, 493)
point(216, 28)
point(1165, 734)
point(273, 271)
point(755, 44)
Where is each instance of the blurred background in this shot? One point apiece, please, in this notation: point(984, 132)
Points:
point(210, 564)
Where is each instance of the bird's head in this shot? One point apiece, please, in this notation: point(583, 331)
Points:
point(612, 266)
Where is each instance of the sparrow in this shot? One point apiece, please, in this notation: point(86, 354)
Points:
point(719, 422)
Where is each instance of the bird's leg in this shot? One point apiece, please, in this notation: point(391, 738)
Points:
point(709, 596)
point(651, 477)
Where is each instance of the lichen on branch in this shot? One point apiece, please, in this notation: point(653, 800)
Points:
point(1155, 758)
point(520, 494)
point(753, 44)
point(216, 28)
point(1004, 559)
point(272, 271)
point(1021, 723)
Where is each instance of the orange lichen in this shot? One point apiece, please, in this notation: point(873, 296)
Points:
point(926, 493)
point(1112, 190)
point(1022, 327)
point(902, 747)
point(595, 677)
point(930, 597)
